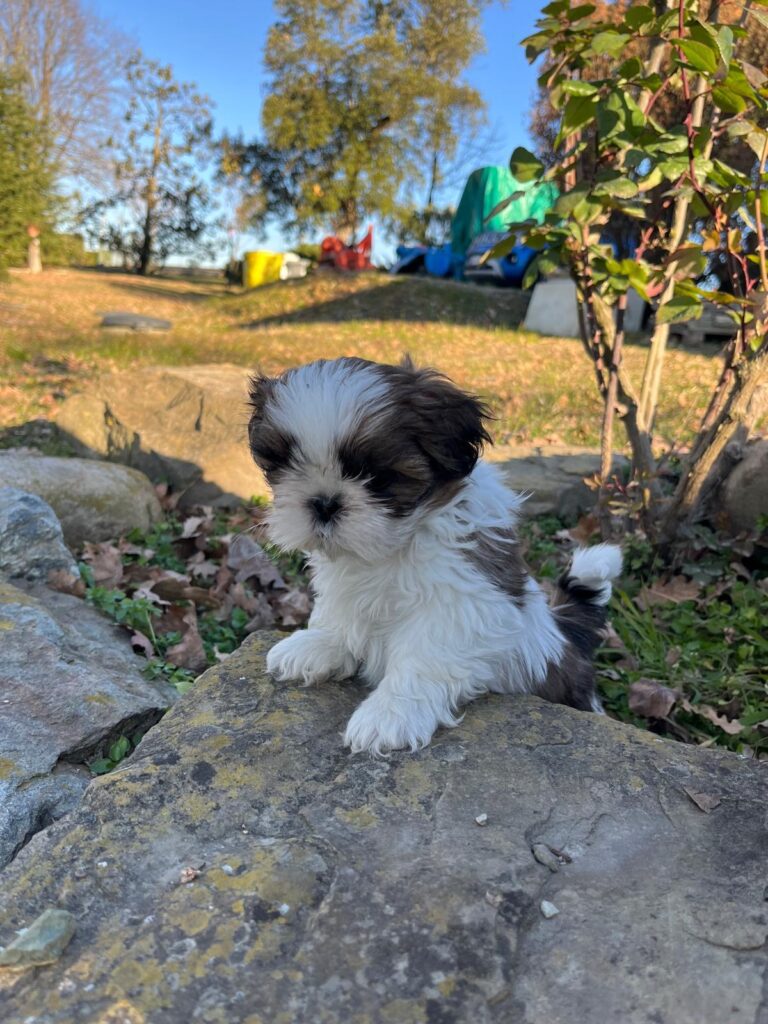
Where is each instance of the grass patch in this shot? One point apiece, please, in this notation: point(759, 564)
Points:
point(698, 631)
point(539, 388)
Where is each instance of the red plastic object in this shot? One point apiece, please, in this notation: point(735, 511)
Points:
point(334, 253)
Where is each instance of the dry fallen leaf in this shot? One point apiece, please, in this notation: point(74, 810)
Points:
point(66, 582)
point(704, 801)
point(189, 651)
point(191, 527)
point(245, 598)
point(586, 528)
point(204, 569)
point(179, 588)
point(731, 726)
point(188, 874)
point(672, 656)
point(651, 699)
point(262, 617)
point(142, 643)
point(677, 589)
point(105, 562)
point(250, 560)
point(292, 607)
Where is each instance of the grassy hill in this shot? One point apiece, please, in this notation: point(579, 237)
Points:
point(540, 388)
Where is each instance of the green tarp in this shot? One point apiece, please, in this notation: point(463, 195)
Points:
point(485, 189)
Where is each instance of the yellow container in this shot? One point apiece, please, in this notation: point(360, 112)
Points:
point(261, 268)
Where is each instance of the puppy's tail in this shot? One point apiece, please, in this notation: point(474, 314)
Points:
point(582, 594)
point(589, 578)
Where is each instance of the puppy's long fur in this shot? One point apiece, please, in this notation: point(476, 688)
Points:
point(418, 578)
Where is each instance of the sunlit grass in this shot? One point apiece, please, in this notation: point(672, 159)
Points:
point(539, 388)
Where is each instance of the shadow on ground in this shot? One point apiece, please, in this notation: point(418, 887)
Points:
point(414, 300)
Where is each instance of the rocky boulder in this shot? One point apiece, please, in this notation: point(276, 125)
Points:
point(183, 425)
point(31, 542)
point(534, 864)
point(553, 476)
point(93, 500)
point(744, 494)
point(69, 685)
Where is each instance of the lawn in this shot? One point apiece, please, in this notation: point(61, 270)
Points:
point(539, 388)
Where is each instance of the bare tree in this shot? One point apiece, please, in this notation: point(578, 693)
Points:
point(71, 58)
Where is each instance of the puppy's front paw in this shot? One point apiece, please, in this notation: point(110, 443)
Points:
point(312, 656)
point(389, 721)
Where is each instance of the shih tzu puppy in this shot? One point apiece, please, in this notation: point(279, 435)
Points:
point(411, 540)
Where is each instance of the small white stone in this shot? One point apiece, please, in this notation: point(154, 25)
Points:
point(227, 869)
point(481, 819)
point(284, 908)
point(548, 909)
point(102, 863)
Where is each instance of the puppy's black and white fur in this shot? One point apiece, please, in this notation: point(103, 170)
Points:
point(411, 540)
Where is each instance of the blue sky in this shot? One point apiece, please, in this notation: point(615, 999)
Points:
point(220, 46)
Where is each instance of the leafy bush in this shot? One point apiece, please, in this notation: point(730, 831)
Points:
point(678, 188)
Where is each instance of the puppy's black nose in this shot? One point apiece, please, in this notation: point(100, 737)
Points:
point(325, 507)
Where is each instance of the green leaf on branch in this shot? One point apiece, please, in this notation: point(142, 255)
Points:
point(579, 205)
point(728, 101)
point(630, 68)
point(502, 205)
point(619, 118)
point(579, 111)
point(724, 39)
point(702, 56)
point(679, 308)
point(609, 42)
point(690, 260)
point(618, 186)
point(651, 180)
point(638, 16)
point(532, 274)
point(583, 11)
point(506, 245)
point(672, 142)
point(703, 39)
point(524, 165)
point(576, 87)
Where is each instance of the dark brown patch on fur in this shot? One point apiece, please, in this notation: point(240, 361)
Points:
point(446, 422)
point(271, 448)
point(421, 444)
point(570, 681)
point(497, 556)
point(581, 620)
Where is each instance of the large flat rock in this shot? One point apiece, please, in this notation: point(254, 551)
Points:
point(93, 500)
point(183, 425)
point(335, 888)
point(69, 683)
point(553, 476)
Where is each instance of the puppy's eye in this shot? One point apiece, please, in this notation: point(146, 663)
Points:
point(355, 465)
point(382, 480)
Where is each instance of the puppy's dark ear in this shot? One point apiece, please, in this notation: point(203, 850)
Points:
point(260, 389)
point(270, 448)
point(450, 427)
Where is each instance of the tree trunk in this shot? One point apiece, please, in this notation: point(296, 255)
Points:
point(145, 253)
point(709, 460)
point(148, 234)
